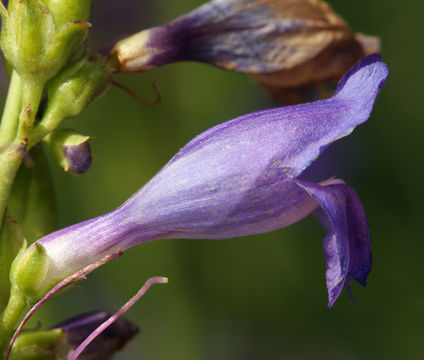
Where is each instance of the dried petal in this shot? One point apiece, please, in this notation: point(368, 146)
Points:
point(314, 78)
point(283, 44)
point(253, 36)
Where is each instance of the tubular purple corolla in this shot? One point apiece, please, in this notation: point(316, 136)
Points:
point(241, 178)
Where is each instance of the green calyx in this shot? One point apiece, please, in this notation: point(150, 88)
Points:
point(27, 286)
point(37, 345)
point(77, 85)
point(35, 43)
point(28, 272)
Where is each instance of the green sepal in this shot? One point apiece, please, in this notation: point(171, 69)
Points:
point(65, 43)
point(61, 138)
point(28, 272)
point(65, 11)
point(11, 240)
point(32, 201)
point(78, 84)
point(37, 345)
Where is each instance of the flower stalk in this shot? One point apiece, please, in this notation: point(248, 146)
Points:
point(9, 318)
point(12, 108)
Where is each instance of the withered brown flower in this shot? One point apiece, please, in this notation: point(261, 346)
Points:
point(285, 45)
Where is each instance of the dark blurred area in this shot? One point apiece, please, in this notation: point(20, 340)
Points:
point(259, 297)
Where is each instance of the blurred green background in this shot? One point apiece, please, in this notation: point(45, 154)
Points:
point(259, 297)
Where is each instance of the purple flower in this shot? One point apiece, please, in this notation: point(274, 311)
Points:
point(241, 178)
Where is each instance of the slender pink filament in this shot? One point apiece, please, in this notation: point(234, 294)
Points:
point(118, 314)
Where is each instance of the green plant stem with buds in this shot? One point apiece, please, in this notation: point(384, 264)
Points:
point(40, 41)
point(21, 106)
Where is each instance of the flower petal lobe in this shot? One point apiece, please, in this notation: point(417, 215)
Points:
point(347, 243)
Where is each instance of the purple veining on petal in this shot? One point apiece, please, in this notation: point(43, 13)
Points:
point(239, 178)
point(79, 157)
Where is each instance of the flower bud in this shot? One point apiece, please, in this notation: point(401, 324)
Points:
point(33, 44)
point(76, 86)
point(71, 150)
point(78, 328)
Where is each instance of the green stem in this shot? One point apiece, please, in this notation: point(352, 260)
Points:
point(32, 92)
point(10, 118)
point(9, 319)
point(10, 160)
point(50, 121)
point(16, 146)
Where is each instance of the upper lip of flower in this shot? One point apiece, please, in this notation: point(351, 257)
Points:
point(239, 178)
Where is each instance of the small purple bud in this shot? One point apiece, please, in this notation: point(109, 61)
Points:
point(79, 157)
point(114, 338)
point(71, 150)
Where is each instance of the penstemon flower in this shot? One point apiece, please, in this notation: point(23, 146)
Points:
point(241, 178)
